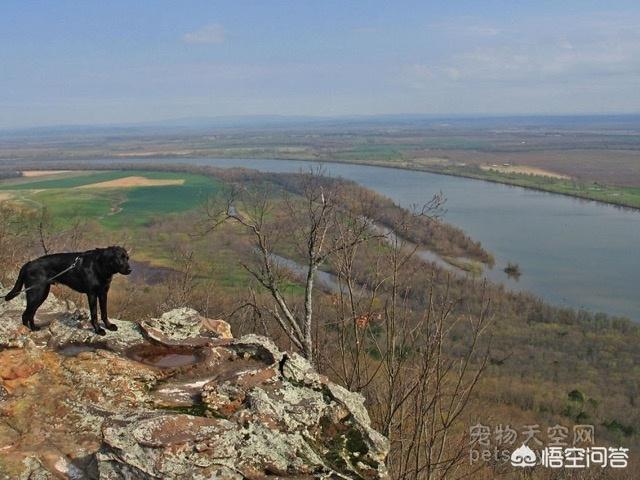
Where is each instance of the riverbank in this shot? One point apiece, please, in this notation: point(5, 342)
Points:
point(627, 197)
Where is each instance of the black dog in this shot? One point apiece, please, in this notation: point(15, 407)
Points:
point(86, 272)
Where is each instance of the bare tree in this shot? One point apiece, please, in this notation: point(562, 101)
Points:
point(393, 345)
point(318, 224)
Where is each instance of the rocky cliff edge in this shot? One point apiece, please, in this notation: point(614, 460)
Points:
point(176, 397)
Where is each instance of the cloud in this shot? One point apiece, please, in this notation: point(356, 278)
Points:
point(549, 61)
point(209, 34)
point(588, 49)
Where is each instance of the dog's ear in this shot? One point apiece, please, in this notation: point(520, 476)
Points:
point(127, 248)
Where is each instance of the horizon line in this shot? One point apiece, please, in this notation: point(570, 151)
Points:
point(175, 121)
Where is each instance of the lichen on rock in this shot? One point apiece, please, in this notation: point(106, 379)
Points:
point(206, 406)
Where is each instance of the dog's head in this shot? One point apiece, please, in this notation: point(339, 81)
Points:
point(118, 259)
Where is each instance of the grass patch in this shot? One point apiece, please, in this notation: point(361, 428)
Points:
point(370, 152)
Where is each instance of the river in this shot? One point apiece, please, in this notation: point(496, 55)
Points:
point(571, 252)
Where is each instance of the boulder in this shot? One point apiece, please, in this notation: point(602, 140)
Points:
point(185, 326)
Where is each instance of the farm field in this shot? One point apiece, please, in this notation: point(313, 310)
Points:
point(115, 199)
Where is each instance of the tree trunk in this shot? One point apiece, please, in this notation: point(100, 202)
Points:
point(308, 312)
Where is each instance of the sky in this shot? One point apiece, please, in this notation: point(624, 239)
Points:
point(69, 62)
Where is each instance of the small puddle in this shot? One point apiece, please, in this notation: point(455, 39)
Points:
point(164, 357)
point(171, 360)
point(75, 349)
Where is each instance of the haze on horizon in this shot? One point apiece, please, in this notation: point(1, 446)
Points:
point(69, 62)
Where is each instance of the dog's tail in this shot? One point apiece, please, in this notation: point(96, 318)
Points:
point(17, 288)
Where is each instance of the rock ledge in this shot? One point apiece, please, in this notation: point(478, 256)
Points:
point(171, 398)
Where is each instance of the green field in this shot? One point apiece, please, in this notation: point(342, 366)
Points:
point(114, 207)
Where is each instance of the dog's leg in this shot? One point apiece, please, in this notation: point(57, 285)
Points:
point(35, 297)
point(103, 311)
point(93, 309)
